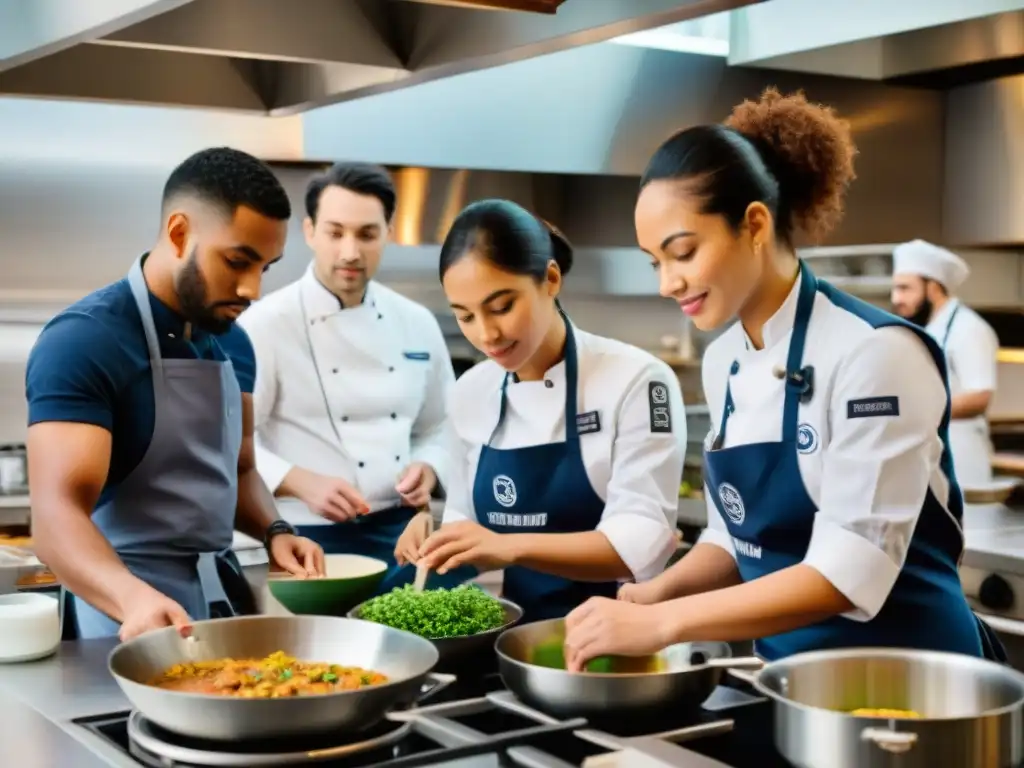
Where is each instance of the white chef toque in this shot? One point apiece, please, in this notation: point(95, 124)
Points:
point(930, 261)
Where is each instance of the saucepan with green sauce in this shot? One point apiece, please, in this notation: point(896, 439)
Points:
point(532, 665)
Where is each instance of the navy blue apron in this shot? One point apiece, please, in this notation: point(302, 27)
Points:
point(769, 515)
point(541, 489)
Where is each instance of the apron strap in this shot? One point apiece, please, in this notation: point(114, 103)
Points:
point(795, 375)
point(794, 360)
point(140, 292)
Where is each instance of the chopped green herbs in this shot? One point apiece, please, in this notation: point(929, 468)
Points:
point(436, 613)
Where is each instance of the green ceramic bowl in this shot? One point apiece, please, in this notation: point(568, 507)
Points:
point(350, 580)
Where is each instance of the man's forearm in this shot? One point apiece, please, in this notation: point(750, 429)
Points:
point(256, 509)
point(968, 405)
point(83, 561)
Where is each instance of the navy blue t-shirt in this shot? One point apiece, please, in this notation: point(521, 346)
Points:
point(90, 365)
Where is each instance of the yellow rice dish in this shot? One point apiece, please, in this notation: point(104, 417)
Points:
point(905, 714)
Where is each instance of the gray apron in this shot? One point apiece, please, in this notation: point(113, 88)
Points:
point(179, 502)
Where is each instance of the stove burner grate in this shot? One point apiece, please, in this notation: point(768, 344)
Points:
point(157, 746)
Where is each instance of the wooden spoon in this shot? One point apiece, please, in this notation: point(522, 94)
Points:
point(422, 571)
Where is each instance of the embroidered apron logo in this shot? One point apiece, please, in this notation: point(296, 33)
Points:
point(732, 503)
point(806, 439)
point(657, 400)
point(504, 490)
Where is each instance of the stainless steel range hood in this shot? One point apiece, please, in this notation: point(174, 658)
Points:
point(876, 39)
point(278, 58)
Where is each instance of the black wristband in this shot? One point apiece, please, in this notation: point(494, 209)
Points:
point(276, 528)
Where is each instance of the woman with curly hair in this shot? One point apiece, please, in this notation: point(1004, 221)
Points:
point(834, 516)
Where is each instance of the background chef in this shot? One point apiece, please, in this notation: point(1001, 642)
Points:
point(925, 280)
point(140, 440)
point(834, 519)
point(352, 380)
point(571, 444)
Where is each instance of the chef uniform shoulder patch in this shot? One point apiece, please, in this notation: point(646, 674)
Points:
point(588, 422)
point(872, 406)
point(661, 413)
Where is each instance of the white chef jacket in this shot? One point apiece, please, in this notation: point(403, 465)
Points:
point(386, 374)
point(868, 477)
point(635, 471)
point(971, 348)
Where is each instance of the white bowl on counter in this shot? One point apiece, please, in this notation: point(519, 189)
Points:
point(29, 626)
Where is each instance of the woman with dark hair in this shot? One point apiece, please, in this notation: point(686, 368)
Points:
point(571, 444)
point(834, 516)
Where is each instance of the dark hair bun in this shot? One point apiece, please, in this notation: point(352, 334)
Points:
point(809, 150)
point(561, 248)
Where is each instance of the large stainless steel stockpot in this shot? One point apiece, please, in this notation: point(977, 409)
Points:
point(971, 709)
point(407, 661)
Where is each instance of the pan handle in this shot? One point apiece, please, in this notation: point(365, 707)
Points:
point(750, 662)
point(744, 675)
point(436, 682)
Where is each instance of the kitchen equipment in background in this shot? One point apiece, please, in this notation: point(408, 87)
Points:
point(996, 492)
point(407, 661)
point(349, 580)
point(29, 627)
point(644, 690)
point(17, 566)
point(971, 709)
point(463, 651)
point(13, 470)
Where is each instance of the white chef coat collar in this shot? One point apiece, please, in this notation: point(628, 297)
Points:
point(938, 322)
point(781, 323)
point(556, 373)
point(321, 303)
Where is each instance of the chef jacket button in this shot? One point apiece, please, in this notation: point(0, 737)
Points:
point(394, 415)
point(734, 368)
point(362, 464)
point(344, 418)
point(549, 383)
point(398, 458)
point(380, 316)
point(334, 370)
point(391, 369)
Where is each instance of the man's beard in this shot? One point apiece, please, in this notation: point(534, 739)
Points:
point(923, 314)
point(192, 295)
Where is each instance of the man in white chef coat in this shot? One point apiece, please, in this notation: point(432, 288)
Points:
point(352, 380)
point(925, 280)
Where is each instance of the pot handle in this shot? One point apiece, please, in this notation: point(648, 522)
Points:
point(750, 662)
point(743, 675)
point(894, 742)
point(437, 682)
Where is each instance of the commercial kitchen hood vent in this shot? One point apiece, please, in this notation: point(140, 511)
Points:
point(271, 57)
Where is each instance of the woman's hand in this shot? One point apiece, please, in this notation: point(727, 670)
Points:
point(408, 545)
point(465, 543)
point(603, 627)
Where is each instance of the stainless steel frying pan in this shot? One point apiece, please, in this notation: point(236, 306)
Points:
point(407, 661)
point(687, 674)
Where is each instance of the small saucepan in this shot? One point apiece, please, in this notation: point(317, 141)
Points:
point(932, 709)
point(636, 689)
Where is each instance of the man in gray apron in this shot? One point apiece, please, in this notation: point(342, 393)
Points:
point(140, 411)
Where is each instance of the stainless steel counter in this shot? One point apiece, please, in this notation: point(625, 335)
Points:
point(995, 538)
point(38, 701)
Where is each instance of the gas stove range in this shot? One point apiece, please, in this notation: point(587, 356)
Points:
point(474, 723)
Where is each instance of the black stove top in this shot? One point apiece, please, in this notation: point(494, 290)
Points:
point(443, 737)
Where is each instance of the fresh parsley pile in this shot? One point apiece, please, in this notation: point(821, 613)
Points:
point(436, 613)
